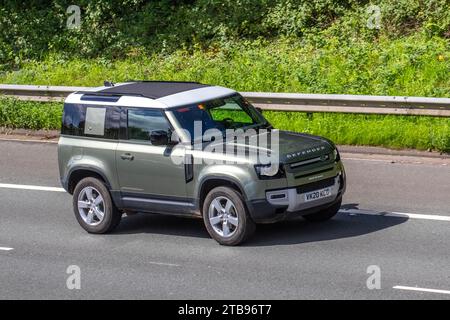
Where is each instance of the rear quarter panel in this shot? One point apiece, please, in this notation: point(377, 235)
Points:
point(87, 153)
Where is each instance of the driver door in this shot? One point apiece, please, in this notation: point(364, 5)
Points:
point(148, 177)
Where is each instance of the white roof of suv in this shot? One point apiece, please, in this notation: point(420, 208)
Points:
point(152, 94)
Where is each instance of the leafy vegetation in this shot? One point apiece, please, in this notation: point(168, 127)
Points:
point(413, 65)
point(30, 115)
point(117, 28)
point(320, 46)
point(371, 130)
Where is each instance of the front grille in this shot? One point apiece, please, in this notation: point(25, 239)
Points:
point(321, 158)
point(316, 185)
point(314, 172)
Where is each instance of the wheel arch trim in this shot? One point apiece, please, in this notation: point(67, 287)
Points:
point(85, 168)
point(225, 178)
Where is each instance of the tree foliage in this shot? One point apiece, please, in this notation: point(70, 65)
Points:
point(118, 28)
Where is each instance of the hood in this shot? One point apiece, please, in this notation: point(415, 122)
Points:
point(300, 146)
point(292, 146)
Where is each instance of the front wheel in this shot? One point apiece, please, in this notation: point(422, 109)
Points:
point(226, 217)
point(325, 214)
point(94, 208)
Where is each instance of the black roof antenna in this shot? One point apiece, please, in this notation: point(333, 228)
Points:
point(108, 83)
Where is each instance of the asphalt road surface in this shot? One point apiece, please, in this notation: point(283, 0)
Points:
point(395, 219)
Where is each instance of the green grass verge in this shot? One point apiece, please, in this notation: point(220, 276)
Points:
point(30, 115)
point(373, 130)
point(392, 131)
point(410, 66)
point(414, 65)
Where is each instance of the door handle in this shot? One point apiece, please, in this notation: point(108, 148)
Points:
point(127, 156)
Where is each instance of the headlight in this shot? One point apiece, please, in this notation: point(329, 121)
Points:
point(269, 171)
point(337, 156)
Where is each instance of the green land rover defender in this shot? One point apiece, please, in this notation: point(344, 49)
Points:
point(190, 149)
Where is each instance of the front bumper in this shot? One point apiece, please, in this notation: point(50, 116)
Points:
point(284, 203)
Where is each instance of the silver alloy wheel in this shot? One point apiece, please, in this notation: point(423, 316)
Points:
point(223, 216)
point(91, 206)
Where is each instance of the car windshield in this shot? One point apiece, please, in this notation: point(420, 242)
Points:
point(232, 112)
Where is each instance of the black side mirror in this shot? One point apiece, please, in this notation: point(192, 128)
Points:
point(159, 138)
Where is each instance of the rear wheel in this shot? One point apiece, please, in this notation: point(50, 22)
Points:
point(325, 214)
point(94, 208)
point(226, 217)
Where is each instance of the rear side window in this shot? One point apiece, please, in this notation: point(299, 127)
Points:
point(91, 121)
point(141, 122)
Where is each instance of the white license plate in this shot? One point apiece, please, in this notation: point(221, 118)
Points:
point(317, 194)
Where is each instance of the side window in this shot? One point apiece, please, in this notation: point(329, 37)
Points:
point(112, 123)
point(141, 122)
point(73, 119)
point(91, 121)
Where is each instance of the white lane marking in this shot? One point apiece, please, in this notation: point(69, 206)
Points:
point(349, 211)
point(164, 264)
point(6, 249)
point(397, 214)
point(28, 187)
point(421, 289)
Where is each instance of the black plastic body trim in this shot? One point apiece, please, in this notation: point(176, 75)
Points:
point(158, 204)
point(263, 212)
point(65, 182)
point(189, 168)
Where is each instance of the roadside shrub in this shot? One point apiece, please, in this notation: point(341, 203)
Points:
point(392, 131)
point(30, 115)
point(115, 29)
point(415, 65)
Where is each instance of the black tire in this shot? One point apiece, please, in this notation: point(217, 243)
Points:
point(245, 227)
point(112, 215)
point(324, 215)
